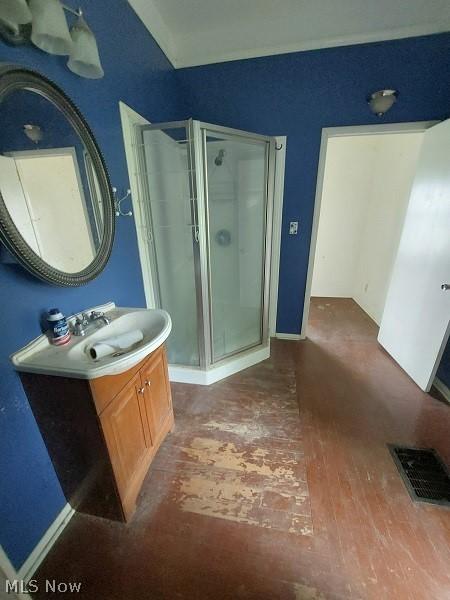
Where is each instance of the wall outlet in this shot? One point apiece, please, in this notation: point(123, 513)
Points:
point(293, 228)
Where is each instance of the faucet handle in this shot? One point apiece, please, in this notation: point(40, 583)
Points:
point(97, 315)
point(78, 327)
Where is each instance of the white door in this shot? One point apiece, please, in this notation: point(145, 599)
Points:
point(415, 323)
point(46, 178)
point(16, 202)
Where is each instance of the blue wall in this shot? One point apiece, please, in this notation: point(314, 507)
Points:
point(444, 368)
point(136, 72)
point(299, 94)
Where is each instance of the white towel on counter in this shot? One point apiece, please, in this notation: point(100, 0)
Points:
point(115, 344)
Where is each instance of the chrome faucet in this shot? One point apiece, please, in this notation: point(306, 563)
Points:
point(99, 316)
point(82, 324)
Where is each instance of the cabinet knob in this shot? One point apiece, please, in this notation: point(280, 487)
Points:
point(148, 383)
point(141, 390)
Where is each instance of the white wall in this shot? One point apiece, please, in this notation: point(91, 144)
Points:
point(366, 191)
point(347, 181)
point(393, 175)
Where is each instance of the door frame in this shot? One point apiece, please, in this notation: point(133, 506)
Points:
point(130, 118)
point(327, 134)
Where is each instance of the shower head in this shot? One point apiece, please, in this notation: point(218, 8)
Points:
point(219, 158)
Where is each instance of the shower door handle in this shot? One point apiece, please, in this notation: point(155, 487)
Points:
point(445, 287)
point(195, 231)
point(192, 184)
point(194, 225)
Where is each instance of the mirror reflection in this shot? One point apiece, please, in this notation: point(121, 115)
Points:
point(48, 182)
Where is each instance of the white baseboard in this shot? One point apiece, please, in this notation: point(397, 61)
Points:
point(8, 573)
point(289, 336)
point(45, 544)
point(440, 385)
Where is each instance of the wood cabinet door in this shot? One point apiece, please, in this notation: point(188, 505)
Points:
point(125, 428)
point(154, 377)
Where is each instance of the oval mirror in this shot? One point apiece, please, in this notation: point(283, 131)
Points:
point(56, 202)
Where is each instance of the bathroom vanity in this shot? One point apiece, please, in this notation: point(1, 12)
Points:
point(102, 434)
point(102, 421)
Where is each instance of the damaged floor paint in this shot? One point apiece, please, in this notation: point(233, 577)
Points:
point(244, 487)
point(239, 456)
point(305, 592)
point(248, 430)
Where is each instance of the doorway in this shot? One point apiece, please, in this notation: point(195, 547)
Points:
point(41, 212)
point(358, 175)
point(366, 185)
point(380, 190)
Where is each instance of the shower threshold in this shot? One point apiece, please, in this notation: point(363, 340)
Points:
point(225, 368)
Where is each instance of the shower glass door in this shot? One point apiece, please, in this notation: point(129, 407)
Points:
point(169, 200)
point(205, 214)
point(236, 199)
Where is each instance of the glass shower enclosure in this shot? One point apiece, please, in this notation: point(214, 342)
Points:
point(207, 195)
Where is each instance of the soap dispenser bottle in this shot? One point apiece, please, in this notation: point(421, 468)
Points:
point(59, 328)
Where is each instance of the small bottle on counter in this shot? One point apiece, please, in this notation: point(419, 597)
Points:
point(59, 328)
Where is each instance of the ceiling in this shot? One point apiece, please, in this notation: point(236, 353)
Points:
point(196, 32)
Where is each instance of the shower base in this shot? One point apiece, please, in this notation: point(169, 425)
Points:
point(215, 373)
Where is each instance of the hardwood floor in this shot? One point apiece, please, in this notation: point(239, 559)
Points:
point(355, 400)
point(251, 499)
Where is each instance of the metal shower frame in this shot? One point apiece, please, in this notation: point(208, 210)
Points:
point(196, 132)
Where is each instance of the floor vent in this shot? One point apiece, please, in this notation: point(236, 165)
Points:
point(423, 473)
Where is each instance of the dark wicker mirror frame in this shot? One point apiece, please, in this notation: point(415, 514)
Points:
point(14, 77)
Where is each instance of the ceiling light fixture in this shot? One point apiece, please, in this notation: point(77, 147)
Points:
point(33, 133)
point(380, 102)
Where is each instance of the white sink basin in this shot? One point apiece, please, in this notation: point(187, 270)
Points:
point(73, 359)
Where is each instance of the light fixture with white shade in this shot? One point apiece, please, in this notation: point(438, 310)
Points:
point(84, 58)
point(380, 102)
point(49, 30)
point(14, 13)
point(33, 133)
point(43, 22)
